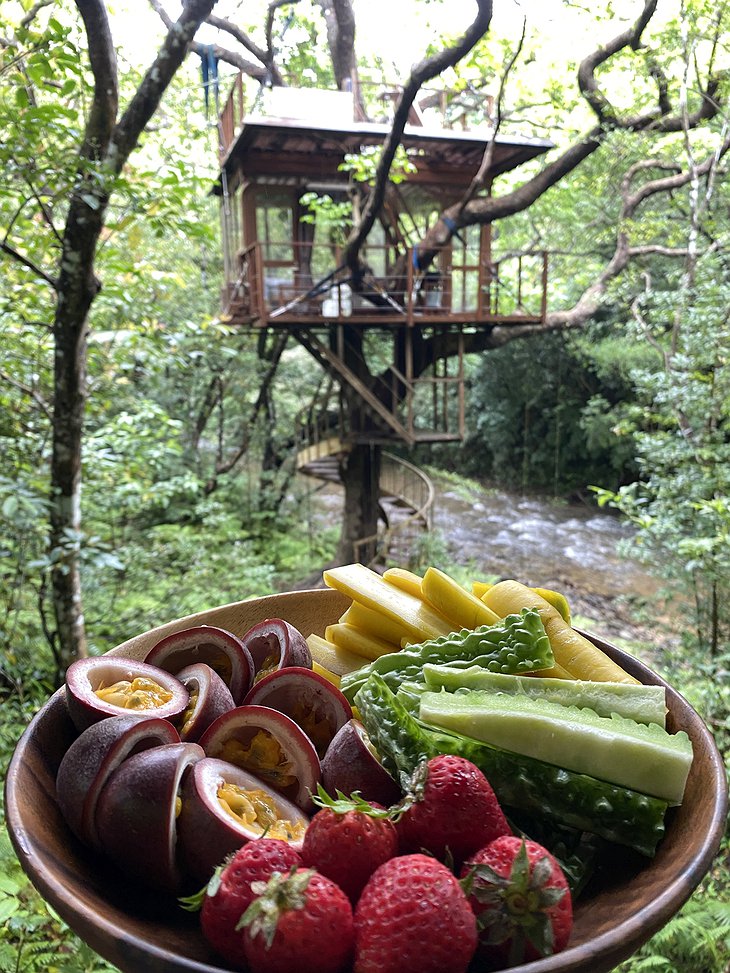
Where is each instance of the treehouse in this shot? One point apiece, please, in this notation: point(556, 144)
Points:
point(293, 181)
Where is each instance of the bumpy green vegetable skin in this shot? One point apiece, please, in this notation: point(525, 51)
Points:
point(645, 704)
point(577, 800)
point(518, 643)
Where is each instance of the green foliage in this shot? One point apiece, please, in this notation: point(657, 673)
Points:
point(697, 940)
point(681, 426)
point(542, 414)
point(364, 164)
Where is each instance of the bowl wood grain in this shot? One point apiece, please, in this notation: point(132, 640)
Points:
point(138, 931)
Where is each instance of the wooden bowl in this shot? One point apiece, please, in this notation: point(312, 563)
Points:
point(133, 929)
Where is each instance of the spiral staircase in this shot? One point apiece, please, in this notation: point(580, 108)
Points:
point(406, 494)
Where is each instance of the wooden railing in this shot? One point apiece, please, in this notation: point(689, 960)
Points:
point(509, 287)
point(411, 486)
point(321, 436)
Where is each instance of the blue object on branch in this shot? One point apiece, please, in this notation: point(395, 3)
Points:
point(209, 70)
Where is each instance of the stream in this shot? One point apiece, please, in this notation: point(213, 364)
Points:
point(571, 547)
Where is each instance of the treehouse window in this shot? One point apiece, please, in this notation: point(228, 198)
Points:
point(275, 235)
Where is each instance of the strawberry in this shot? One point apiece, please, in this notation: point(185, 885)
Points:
point(521, 899)
point(302, 922)
point(348, 839)
point(450, 810)
point(413, 917)
point(229, 893)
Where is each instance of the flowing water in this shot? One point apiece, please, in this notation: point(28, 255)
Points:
point(539, 541)
point(571, 547)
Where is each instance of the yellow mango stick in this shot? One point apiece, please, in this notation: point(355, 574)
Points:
point(556, 599)
point(330, 657)
point(326, 674)
point(420, 620)
point(374, 623)
point(463, 608)
point(572, 651)
point(355, 640)
point(405, 580)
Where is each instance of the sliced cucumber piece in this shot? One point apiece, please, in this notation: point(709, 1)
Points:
point(614, 749)
point(645, 704)
point(540, 789)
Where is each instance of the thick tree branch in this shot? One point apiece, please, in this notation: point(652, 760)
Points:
point(631, 37)
point(155, 82)
point(245, 41)
point(482, 174)
point(483, 210)
point(256, 71)
point(422, 72)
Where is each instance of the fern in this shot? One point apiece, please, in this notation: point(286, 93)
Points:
point(696, 940)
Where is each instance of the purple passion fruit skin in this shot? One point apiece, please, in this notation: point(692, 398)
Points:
point(103, 686)
point(275, 644)
point(223, 807)
point(314, 704)
point(209, 698)
point(223, 651)
point(93, 757)
point(136, 816)
point(351, 764)
point(270, 746)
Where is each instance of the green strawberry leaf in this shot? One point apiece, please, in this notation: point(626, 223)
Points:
point(281, 893)
point(342, 804)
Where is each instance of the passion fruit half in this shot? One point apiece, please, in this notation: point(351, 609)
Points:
point(275, 644)
point(209, 699)
point(103, 686)
point(317, 706)
point(136, 816)
point(223, 807)
point(223, 651)
point(93, 757)
point(352, 764)
point(270, 746)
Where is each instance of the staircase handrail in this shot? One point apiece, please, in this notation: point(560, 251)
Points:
point(422, 507)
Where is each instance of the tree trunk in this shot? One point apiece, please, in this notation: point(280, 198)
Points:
point(360, 475)
point(70, 333)
point(106, 146)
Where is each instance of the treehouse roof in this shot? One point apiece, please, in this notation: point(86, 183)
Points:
point(281, 149)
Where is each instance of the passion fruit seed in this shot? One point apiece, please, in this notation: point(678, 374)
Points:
point(139, 693)
point(221, 664)
point(256, 810)
point(314, 724)
point(263, 756)
point(190, 711)
point(270, 664)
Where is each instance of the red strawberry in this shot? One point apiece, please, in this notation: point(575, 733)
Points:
point(302, 922)
point(521, 899)
point(413, 917)
point(229, 893)
point(450, 810)
point(348, 839)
